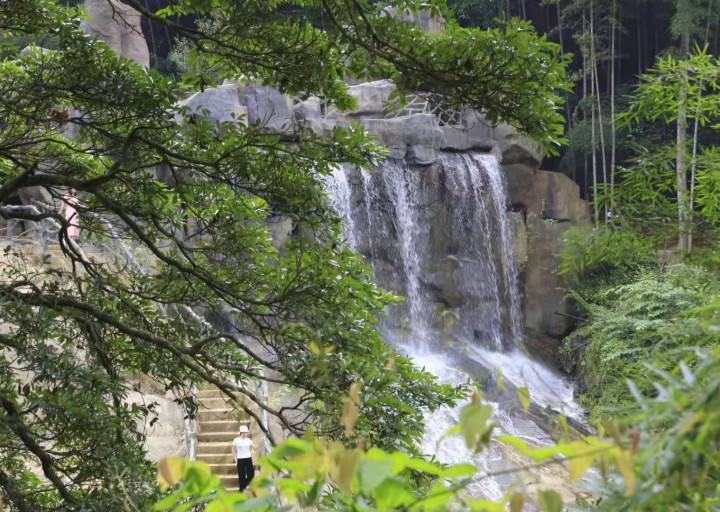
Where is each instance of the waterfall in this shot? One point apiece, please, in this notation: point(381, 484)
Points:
point(439, 236)
point(339, 191)
point(509, 270)
point(404, 192)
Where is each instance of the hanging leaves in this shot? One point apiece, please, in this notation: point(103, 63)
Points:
point(351, 408)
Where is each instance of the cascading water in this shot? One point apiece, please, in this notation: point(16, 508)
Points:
point(439, 235)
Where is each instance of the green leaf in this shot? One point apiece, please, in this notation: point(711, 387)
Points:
point(550, 501)
point(524, 396)
point(424, 466)
point(482, 505)
point(459, 470)
point(579, 464)
point(392, 493)
point(373, 473)
point(475, 426)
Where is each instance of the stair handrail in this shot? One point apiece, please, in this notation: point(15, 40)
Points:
point(190, 427)
point(261, 388)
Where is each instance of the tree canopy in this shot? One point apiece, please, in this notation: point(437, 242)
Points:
point(189, 287)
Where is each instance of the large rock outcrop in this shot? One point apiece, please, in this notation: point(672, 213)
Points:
point(550, 204)
point(119, 25)
point(267, 107)
point(221, 104)
point(542, 205)
point(164, 436)
point(517, 148)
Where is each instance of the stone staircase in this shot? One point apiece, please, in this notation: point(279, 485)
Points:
point(217, 426)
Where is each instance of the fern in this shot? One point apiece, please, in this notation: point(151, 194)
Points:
point(650, 320)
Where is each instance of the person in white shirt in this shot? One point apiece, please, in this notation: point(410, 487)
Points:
point(242, 450)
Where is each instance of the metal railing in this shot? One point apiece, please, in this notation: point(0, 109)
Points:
point(190, 427)
point(435, 104)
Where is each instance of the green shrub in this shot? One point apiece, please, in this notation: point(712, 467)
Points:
point(603, 254)
point(674, 441)
point(655, 321)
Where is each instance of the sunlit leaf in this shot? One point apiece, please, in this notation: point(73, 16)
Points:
point(524, 396)
point(550, 501)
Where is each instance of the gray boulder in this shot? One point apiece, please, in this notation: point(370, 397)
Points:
point(549, 195)
point(517, 148)
point(34, 196)
point(119, 25)
point(458, 139)
point(421, 155)
point(416, 136)
point(549, 313)
point(371, 97)
point(267, 107)
point(217, 104)
point(307, 110)
point(519, 181)
point(556, 196)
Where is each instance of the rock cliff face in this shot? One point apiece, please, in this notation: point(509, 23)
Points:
point(434, 153)
point(550, 203)
point(119, 25)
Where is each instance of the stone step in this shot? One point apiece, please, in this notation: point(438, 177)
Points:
point(216, 458)
point(213, 403)
point(220, 426)
point(223, 469)
point(210, 393)
point(213, 447)
point(214, 414)
point(217, 437)
point(229, 482)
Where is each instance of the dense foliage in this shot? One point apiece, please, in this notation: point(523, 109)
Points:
point(641, 329)
point(665, 460)
point(327, 476)
point(677, 436)
point(177, 277)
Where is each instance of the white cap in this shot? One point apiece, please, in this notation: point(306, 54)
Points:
point(244, 429)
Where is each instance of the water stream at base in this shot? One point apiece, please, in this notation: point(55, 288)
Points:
point(394, 216)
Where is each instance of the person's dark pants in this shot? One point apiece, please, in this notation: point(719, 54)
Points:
point(246, 472)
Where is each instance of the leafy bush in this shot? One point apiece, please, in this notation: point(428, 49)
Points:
point(603, 254)
point(650, 322)
point(645, 200)
point(328, 476)
point(676, 438)
point(666, 460)
point(708, 185)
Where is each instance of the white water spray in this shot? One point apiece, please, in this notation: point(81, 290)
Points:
point(394, 216)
